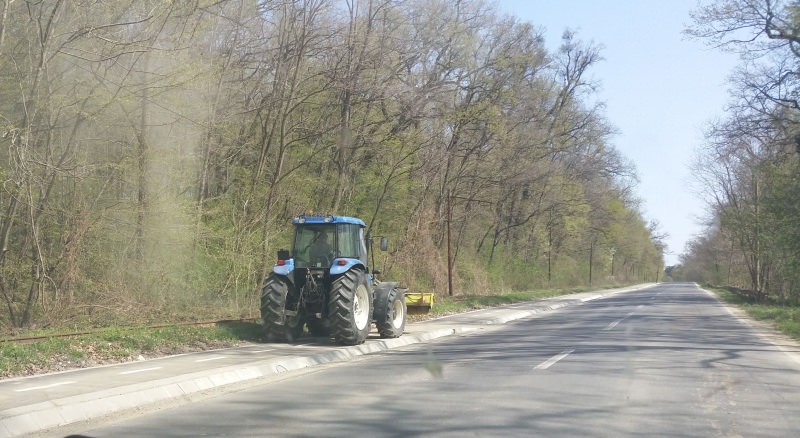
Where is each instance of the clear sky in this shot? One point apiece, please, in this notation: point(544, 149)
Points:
point(661, 90)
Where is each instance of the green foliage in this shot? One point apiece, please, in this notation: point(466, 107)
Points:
point(749, 164)
point(156, 185)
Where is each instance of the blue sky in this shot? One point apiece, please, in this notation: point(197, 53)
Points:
point(661, 89)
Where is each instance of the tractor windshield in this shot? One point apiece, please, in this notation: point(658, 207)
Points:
point(316, 245)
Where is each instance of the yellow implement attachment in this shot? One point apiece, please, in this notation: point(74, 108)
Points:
point(419, 303)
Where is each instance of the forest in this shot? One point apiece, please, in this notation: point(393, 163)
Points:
point(154, 152)
point(749, 166)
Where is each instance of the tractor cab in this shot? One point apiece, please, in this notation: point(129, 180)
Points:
point(323, 241)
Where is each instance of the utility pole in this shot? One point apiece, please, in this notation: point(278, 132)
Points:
point(449, 250)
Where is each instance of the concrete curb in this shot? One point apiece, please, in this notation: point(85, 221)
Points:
point(61, 412)
point(64, 411)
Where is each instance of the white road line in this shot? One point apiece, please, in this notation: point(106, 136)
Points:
point(311, 346)
point(260, 351)
point(614, 324)
point(141, 370)
point(210, 359)
point(34, 388)
point(549, 362)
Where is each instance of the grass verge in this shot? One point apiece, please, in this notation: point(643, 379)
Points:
point(785, 318)
point(117, 345)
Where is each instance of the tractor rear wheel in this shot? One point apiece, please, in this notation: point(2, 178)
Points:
point(390, 314)
point(350, 308)
point(279, 325)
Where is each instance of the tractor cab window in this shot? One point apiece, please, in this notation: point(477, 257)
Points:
point(314, 246)
point(351, 241)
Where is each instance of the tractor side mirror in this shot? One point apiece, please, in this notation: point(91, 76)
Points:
point(283, 254)
point(384, 244)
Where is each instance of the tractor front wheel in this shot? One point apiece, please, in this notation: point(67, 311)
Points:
point(280, 323)
point(350, 308)
point(390, 313)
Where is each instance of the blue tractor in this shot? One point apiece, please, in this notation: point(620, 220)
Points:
point(325, 287)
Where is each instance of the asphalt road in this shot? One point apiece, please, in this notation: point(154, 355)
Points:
point(663, 361)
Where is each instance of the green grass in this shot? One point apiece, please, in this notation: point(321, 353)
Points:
point(784, 317)
point(118, 344)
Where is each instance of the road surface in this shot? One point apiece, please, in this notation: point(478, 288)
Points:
point(664, 361)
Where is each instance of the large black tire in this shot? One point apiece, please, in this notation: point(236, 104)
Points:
point(390, 313)
point(350, 308)
point(278, 326)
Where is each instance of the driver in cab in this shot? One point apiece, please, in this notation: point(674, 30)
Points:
point(320, 250)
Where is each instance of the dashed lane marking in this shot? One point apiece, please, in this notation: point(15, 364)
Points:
point(550, 362)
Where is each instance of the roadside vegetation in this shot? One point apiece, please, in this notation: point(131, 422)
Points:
point(116, 345)
point(748, 166)
point(125, 344)
point(153, 154)
point(784, 317)
point(119, 344)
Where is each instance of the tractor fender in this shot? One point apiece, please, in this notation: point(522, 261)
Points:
point(346, 265)
point(285, 270)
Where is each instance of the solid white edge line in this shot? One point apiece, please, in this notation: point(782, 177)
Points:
point(210, 359)
point(550, 362)
point(34, 388)
point(141, 370)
